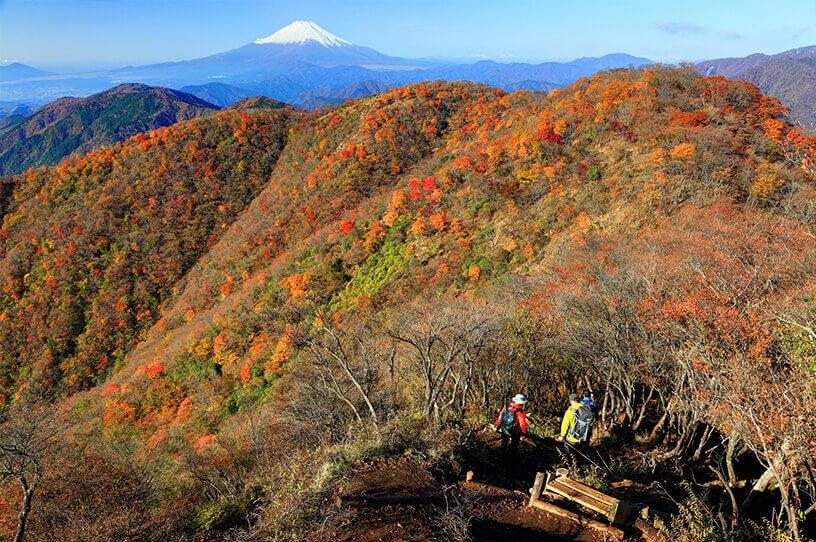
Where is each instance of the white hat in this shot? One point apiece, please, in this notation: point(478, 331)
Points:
point(520, 399)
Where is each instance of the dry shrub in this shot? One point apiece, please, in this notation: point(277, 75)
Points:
point(90, 496)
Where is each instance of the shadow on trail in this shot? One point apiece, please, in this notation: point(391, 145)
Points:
point(489, 529)
point(517, 472)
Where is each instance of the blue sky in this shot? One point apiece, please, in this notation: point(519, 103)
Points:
point(64, 34)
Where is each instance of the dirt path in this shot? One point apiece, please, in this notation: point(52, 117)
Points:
point(489, 521)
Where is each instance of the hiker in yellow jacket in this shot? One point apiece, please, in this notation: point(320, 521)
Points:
point(576, 426)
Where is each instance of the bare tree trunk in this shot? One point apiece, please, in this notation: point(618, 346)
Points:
point(22, 516)
point(667, 410)
point(793, 519)
point(658, 426)
point(642, 413)
point(337, 390)
point(703, 439)
point(729, 458)
point(343, 359)
point(686, 437)
point(734, 508)
point(811, 480)
point(612, 408)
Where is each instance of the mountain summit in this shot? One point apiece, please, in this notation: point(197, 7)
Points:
point(301, 32)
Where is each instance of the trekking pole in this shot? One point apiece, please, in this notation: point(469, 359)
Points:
point(602, 459)
point(577, 451)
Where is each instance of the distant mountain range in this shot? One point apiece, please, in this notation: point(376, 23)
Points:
point(217, 93)
point(310, 100)
point(789, 76)
point(16, 71)
point(304, 65)
point(307, 66)
point(75, 125)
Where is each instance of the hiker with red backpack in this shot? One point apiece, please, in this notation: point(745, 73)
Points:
point(512, 423)
point(576, 427)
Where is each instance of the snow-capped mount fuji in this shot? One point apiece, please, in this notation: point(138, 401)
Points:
point(305, 42)
point(299, 57)
point(302, 32)
point(301, 47)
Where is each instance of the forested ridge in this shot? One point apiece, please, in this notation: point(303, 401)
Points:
point(70, 126)
point(234, 313)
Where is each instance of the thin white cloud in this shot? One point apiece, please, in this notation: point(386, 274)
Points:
point(680, 28)
point(731, 35)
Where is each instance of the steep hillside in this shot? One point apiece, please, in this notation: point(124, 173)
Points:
point(445, 187)
point(91, 248)
point(76, 125)
point(789, 76)
point(242, 308)
point(792, 81)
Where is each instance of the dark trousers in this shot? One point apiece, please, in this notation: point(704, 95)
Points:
point(572, 449)
point(509, 444)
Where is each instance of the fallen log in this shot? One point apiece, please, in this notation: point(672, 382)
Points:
point(718, 483)
point(409, 500)
point(629, 483)
point(583, 521)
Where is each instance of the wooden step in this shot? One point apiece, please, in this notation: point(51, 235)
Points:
point(597, 501)
point(585, 500)
point(586, 490)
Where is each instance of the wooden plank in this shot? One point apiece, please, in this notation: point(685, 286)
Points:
point(583, 521)
point(535, 492)
point(579, 497)
point(586, 490)
point(547, 481)
point(620, 512)
point(585, 500)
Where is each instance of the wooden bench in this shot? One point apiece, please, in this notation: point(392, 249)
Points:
point(613, 509)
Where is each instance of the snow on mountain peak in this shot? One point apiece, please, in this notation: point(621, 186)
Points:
point(300, 32)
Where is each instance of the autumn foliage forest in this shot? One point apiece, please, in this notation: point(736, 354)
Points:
point(211, 324)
